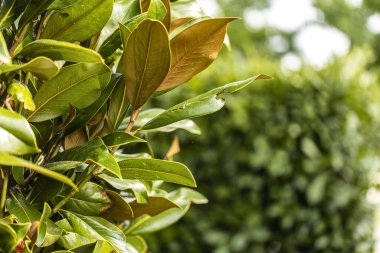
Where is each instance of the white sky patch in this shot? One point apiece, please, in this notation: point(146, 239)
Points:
point(318, 44)
point(289, 15)
point(210, 7)
point(278, 44)
point(291, 62)
point(355, 3)
point(373, 23)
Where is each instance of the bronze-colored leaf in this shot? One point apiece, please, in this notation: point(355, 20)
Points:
point(148, 61)
point(194, 49)
point(178, 22)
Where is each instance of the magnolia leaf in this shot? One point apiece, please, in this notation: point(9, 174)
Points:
point(99, 229)
point(70, 86)
point(43, 68)
point(91, 199)
point(10, 10)
point(5, 58)
point(184, 196)
point(194, 49)
point(70, 239)
point(148, 5)
point(11, 235)
point(21, 93)
point(77, 22)
point(179, 22)
point(120, 209)
point(156, 10)
point(16, 135)
point(85, 115)
point(138, 243)
point(9, 160)
point(60, 50)
point(201, 105)
point(154, 206)
point(117, 139)
point(60, 4)
point(94, 151)
point(33, 10)
point(63, 166)
point(148, 45)
point(47, 232)
point(154, 169)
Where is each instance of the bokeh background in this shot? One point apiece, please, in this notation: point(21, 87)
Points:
point(292, 164)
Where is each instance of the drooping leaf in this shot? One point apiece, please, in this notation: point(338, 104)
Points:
point(91, 199)
point(9, 160)
point(139, 190)
point(77, 22)
point(21, 93)
point(148, 45)
point(138, 243)
point(33, 10)
point(116, 139)
point(42, 67)
point(194, 49)
point(120, 210)
point(70, 86)
point(16, 135)
point(5, 58)
point(94, 151)
point(60, 50)
point(85, 115)
point(97, 228)
point(201, 105)
point(154, 169)
point(47, 232)
point(10, 10)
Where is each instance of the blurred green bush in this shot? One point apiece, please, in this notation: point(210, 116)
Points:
point(286, 166)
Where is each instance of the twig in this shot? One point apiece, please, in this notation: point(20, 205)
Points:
point(40, 26)
point(18, 39)
point(4, 191)
point(132, 122)
point(7, 104)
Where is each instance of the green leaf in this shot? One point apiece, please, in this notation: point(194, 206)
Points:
point(10, 10)
point(117, 139)
point(148, 45)
point(201, 105)
point(77, 22)
point(33, 10)
point(85, 115)
point(70, 86)
point(47, 232)
point(43, 68)
point(120, 209)
point(11, 235)
point(9, 160)
point(156, 10)
point(184, 196)
point(5, 58)
point(194, 49)
point(60, 50)
point(154, 169)
point(21, 93)
point(91, 199)
point(166, 20)
point(16, 135)
point(99, 229)
point(139, 189)
point(138, 243)
point(94, 151)
point(60, 4)
point(154, 206)
point(69, 239)
point(63, 166)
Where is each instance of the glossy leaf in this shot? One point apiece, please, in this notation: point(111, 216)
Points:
point(5, 58)
point(76, 22)
point(63, 166)
point(148, 45)
point(33, 10)
point(70, 86)
point(60, 4)
point(99, 229)
point(120, 209)
point(154, 206)
point(154, 169)
point(201, 105)
point(16, 135)
point(194, 49)
point(47, 232)
point(70, 239)
point(21, 93)
point(42, 67)
point(94, 151)
point(91, 199)
point(10, 10)
point(11, 235)
point(9, 160)
point(156, 10)
point(117, 139)
point(183, 196)
point(60, 50)
point(149, 6)
point(138, 243)
point(85, 115)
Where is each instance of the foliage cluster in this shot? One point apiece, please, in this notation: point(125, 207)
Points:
point(74, 76)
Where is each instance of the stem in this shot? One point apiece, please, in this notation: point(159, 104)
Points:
point(131, 123)
point(73, 191)
point(4, 191)
point(18, 39)
point(41, 25)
